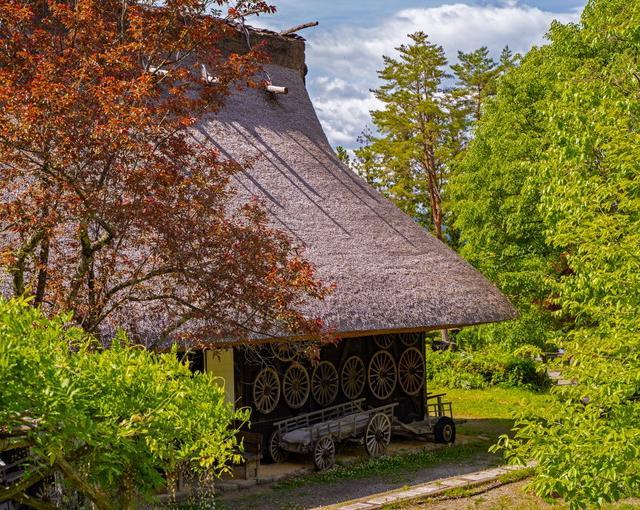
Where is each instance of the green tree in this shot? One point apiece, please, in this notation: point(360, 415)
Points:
point(110, 421)
point(476, 74)
point(558, 150)
point(408, 147)
point(494, 196)
point(343, 155)
point(508, 59)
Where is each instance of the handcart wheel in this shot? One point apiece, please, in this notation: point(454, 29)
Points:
point(445, 430)
point(383, 341)
point(324, 453)
point(411, 371)
point(296, 386)
point(266, 391)
point(283, 351)
point(353, 377)
point(377, 435)
point(409, 339)
point(276, 452)
point(382, 375)
point(324, 383)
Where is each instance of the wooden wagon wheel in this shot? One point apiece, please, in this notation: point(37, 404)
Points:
point(296, 386)
point(276, 452)
point(383, 341)
point(409, 339)
point(353, 377)
point(324, 453)
point(411, 371)
point(377, 435)
point(382, 375)
point(283, 351)
point(324, 383)
point(266, 390)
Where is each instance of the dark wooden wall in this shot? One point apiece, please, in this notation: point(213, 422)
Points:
point(248, 365)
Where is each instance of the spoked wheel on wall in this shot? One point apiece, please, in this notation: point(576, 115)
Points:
point(383, 341)
point(409, 339)
point(266, 390)
point(382, 375)
point(276, 452)
point(377, 435)
point(283, 351)
point(296, 386)
point(411, 371)
point(353, 377)
point(324, 383)
point(324, 453)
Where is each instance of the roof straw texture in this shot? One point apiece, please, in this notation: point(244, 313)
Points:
point(390, 274)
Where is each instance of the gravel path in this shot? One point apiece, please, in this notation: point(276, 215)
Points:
point(311, 495)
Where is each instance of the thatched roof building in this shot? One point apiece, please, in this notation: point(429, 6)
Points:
point(391, 275)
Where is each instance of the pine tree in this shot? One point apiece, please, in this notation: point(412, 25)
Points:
point(476, 74)
point(508, 59)
point(407, 161)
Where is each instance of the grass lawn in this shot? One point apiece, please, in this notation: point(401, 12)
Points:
point(491, 403)
point(488, 412)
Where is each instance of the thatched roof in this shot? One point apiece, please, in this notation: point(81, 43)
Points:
point(390, 273)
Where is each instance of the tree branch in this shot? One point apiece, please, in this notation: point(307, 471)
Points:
point(32, 502)
point(18, 267)
point(135, 281)
point(299, 27)
point(91, 492)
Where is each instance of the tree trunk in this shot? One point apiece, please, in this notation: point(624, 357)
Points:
point(447, 344)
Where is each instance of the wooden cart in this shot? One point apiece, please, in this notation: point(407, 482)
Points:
point(438, 422)
point(318, 432)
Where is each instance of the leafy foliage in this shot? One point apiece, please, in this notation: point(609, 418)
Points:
point(550, 189)
point(110, 208)
point(111, 421)
point(477, 370)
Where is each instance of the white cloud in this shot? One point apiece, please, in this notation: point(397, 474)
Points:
point(343, 61)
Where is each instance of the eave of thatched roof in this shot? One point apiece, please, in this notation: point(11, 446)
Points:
point(391, 275)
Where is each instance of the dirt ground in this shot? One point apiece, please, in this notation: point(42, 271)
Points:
point(506, 497)
point(312, 491)
point(310, 495)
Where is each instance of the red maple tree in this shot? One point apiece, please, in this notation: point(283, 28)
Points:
point(109, 207)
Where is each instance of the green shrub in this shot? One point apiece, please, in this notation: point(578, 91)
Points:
point(109, 421)
point(476, 370)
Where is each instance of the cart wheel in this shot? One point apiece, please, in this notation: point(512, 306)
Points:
point(324, 383)
point(411, 371)
point(377, 435)
point(283, 351)
point(353, 377)
point(295, 386)
point(445, 430)
point(382, 375)
point(276, 453)
point(266, 390)
point(383, 341)
point(324, 453)
point(409, 339)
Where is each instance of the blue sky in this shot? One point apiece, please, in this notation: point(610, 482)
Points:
point(345, 50)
